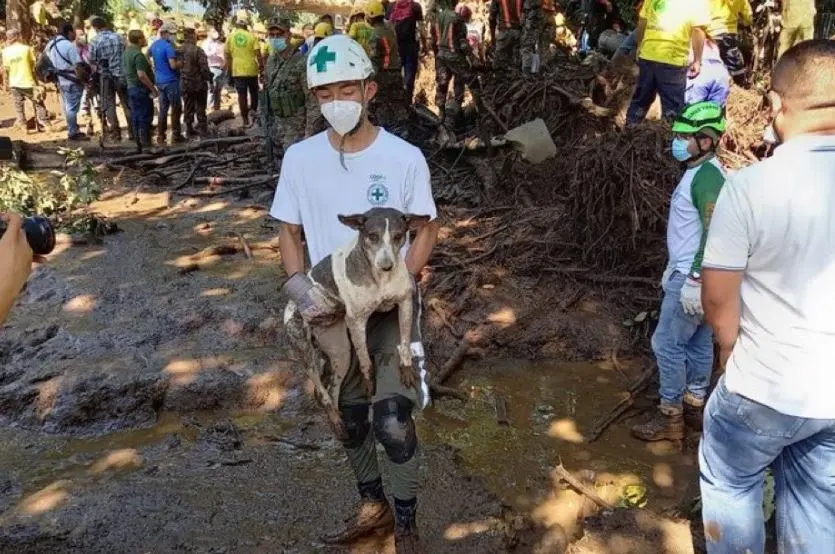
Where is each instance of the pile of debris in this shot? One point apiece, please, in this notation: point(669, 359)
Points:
point(590, 222)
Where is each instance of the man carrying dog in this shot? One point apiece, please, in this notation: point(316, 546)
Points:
point(351, 167)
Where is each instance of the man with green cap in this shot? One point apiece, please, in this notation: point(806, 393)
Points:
point(683, 342)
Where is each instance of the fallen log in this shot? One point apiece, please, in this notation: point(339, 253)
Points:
point(220, 116)
point(209, 194)
point(501, 411)
point(220, 181)
point(637, 387)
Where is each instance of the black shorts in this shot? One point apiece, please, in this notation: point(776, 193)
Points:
point(245, 83)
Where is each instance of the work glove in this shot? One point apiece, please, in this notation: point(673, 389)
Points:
point(691, 297)
point(315, 304)
point(665, 277)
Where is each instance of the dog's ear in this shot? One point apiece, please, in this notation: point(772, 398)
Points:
point(415, 222)
point(355, 221)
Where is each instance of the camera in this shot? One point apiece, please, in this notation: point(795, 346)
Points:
point(39, 234)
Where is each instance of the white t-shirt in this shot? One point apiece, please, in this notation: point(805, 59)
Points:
point(314, 188)
point(776, 221)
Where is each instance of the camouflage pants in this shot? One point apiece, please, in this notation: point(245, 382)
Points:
point(20, 95)
point(314, 122)
point(531, 33)
point(194, 107)
point(453, 67)
point(286, 131)
point(506, 54)
point(390, 107)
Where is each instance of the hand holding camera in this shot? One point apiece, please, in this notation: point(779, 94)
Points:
point(20, 240)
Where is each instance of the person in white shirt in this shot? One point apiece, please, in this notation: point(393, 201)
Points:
point(63, 54)
point(350, 168)
point(214, 49)
point(768, 275)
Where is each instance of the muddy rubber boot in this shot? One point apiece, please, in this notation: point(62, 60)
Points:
point(694, 416)
point(659, 427)
point(406, 536)
point(371, 517)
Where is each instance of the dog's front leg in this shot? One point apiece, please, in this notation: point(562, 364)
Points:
point(356, 328)
point(408, 375)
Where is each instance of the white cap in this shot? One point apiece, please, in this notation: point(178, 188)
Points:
point(336, 59)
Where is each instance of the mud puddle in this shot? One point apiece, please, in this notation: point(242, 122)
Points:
point(549, 408)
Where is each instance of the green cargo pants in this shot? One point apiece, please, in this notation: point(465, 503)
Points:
point(395, 431)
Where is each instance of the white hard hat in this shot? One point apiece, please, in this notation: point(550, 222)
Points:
point(335, 59)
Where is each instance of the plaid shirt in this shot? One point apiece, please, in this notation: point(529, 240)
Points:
point(106, 53)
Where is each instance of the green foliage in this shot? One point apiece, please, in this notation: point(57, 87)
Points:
point(58, 196)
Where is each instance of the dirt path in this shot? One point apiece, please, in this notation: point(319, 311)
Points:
point(151, 407)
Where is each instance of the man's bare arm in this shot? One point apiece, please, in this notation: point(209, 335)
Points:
point(697, 41)
point(639, 35)
point(420, 250)
point(721, 302)
point(290, 246)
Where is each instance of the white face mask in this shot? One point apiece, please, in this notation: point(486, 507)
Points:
point(769, 135)
point(343, 115)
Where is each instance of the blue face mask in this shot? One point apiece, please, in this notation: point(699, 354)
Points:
point(278, 44)
point(680, 149)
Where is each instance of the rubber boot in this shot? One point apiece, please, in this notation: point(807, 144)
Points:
point(406, 536)
point(694, 416)
point(661, 426)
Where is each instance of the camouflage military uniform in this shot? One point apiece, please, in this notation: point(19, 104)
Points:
point(390, 106)
point(194, 84)
point(450, 38)
point(506, 28)
point(533, 20)
point(288, 95)
point(548, 31)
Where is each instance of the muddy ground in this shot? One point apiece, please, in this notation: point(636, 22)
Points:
point(150, 406)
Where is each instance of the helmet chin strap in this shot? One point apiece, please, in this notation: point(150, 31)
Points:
point(352, 131)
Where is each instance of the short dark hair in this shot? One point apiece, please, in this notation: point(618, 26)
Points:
point(98, 23)
point(805, 73)
point(135, 36)
point(65, 29)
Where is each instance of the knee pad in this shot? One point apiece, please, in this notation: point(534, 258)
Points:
point(357, 426)
point(394, 428)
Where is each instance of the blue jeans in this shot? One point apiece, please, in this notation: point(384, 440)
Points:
point(668, 81)
point(71, 96)
point(741, 439)
point(141, 111)
point(169, 96)
point(683, 347)
point(409, 62)
point(218, 78)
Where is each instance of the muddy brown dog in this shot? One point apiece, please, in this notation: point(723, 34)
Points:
point(367, 275)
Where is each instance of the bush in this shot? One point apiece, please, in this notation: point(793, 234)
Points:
point(56, 194)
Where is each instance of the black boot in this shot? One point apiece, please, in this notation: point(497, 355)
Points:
point(406, 536)
point(371, 516)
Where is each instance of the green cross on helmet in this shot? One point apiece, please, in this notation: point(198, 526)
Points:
point(697, 117)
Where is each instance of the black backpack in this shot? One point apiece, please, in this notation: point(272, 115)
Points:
point(45, 70)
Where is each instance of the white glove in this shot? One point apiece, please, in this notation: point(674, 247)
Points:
point(316, 306)
point(665, 277)
point(691, 297)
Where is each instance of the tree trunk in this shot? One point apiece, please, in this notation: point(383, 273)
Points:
point(798, 23)
point(18, 17)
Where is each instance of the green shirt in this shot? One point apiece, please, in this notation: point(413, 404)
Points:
point(707, 184)
point(134, 60)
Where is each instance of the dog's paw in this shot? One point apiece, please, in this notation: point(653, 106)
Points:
point(408, 376)
point(368, 385)
point(405, 353)
point(337, 425)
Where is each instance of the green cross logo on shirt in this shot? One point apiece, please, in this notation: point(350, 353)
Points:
point(323, 57)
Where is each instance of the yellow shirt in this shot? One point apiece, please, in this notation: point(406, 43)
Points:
point(725, 14)
point(19, 63)
point(669, 23)
point(361, 32)
point(242, 47)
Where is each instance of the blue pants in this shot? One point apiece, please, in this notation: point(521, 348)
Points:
point(668, 81)
point(683, 347)
point(71, 97)
point(741, 439)
point(409, 62)
point(169, 96)
point(141, 111)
